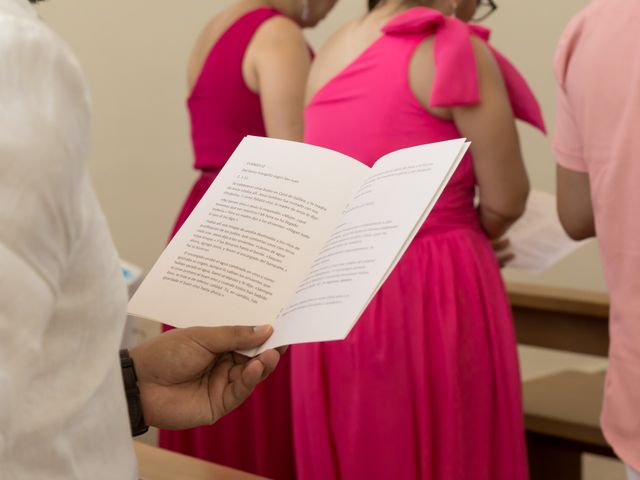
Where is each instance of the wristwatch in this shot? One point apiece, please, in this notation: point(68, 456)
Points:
point(136, 418)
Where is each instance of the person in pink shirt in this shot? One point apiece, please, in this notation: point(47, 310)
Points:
point(597, 148)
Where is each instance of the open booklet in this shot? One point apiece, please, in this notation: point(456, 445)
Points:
point(296, 236)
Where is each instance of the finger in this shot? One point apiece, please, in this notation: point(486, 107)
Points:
point(501, 244)
point(228, 339)
point(219, 381)
point(246, 378)
point(503, 260)
point(236, 372)
point(239, 358)
point(251, 374)
point(269, 359)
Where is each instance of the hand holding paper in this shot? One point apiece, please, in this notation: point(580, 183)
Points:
point(537, 239)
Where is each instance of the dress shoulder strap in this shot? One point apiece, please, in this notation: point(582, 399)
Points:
point(456, 75)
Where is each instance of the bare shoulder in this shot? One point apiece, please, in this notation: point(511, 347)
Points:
point(279, 31)
point(278, 50)
point(339, 50)
point(423, 56)
point(213, 30)
point(487, 65)
point(217, 25)
point(338, 42)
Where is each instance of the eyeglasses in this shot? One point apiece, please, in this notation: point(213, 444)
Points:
point(484, 8)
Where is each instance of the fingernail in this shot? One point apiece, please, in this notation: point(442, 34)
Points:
point(262, 329)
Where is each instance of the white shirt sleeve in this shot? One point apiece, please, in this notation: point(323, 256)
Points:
point(44, 122)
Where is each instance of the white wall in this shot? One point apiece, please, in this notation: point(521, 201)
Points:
point(134, 55)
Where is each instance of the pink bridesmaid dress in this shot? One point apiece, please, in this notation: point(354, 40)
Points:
point(427, 384)
point(257, 437)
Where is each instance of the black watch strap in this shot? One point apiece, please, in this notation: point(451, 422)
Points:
point(136, 418)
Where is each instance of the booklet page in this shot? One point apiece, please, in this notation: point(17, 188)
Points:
point(242, 252)
point(377, 225)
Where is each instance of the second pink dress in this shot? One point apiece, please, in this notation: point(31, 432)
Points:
point(427, 384)
point(257, 437)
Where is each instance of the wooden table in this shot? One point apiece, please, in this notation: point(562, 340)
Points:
point(158, 464)
point(562, 411)
point(561, 318)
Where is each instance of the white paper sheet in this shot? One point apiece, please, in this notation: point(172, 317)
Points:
point(537, 239)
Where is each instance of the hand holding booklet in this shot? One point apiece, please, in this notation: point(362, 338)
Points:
point(296, 236)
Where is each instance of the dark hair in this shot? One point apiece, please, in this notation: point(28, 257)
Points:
point(374, 3)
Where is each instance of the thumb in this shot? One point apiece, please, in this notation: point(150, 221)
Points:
point(228, 339)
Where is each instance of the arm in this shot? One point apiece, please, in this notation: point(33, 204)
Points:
point(41, 160)
point(503, 185)
point(573, 190)
point(276, 66)
point(574, 203)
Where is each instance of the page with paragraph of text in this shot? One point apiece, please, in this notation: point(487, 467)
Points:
point(240, 255)
point(376, 228)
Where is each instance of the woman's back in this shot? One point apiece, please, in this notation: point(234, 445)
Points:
point(426, 386)
point(360, 77)
point(235, 74)
point(222, 107)
point(369, 109)
point(372, 93)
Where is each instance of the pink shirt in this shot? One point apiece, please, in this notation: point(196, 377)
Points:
point(597, 131)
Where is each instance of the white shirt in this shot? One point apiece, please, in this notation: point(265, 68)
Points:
point(63, 411)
